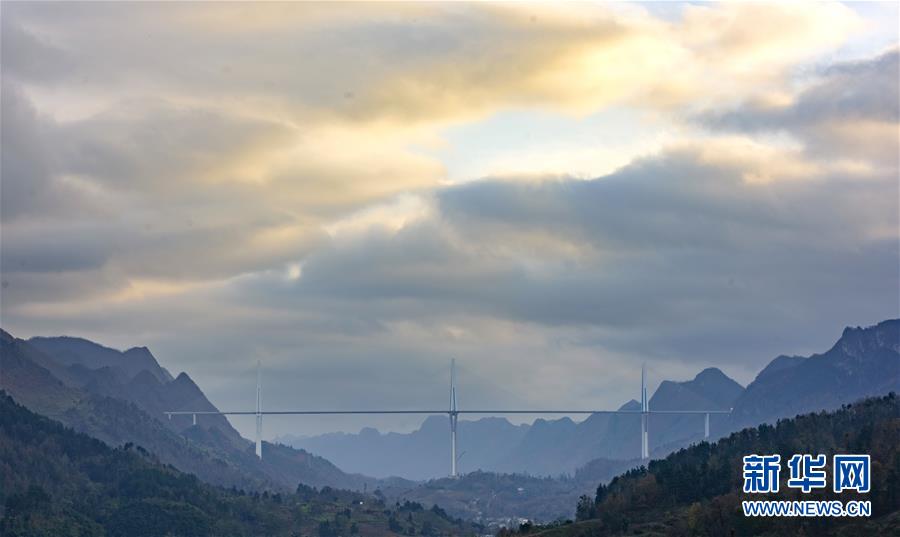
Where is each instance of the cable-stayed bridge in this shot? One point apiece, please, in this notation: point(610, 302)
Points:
point(453, 412)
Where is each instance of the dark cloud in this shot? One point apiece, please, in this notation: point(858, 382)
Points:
point(850, 91)
point(142, 194)
point(681, 257)
point(27, 57)
point(830, 115)
point(670, 260)
point(75, 247)
point(157, 146)
point(26, 184)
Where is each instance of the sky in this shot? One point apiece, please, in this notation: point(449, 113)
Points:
point(354, 194)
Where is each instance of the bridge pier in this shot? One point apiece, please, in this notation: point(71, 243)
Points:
point(453, 422)
point(454, 419)
point(258, 414)
point(645, 417)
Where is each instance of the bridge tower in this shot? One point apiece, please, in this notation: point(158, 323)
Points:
point(645, 415)
point(258, 412)
point(454, 418)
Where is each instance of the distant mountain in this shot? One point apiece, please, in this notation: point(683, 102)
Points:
point(72, 350)
point(493, 498)
point(120, 405)
point(60, 482)
point(24, 373)
point(555, 450)
point(780, 363)
point(863, 362)
point(422, 454)
point(710, 389)
point(133, 376)
point(111, 420)
point(544, 448)
point(541, 449)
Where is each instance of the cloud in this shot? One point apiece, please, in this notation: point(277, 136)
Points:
point(644, 246)
point(153, 190)
point(852, 110)
point(674, 259)
point(760, 36)
point(424, 63)
point(26, 171)
point(226, 182)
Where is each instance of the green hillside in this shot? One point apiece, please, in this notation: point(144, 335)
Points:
point(102, 405)
point(698, 490)
point(57, 482)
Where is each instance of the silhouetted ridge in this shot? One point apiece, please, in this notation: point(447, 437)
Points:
point(116, 407)
point(863, 362)
point(67, 483)
point(68, 351)
point(778, 364)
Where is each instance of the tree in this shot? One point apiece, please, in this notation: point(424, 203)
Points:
point(586, 508)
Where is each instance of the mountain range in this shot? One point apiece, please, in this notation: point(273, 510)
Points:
point(64, 483)
point(543, 448)
point(863, 362)
point(120, 397)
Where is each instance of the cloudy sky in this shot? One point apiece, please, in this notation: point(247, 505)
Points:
point(355, 193)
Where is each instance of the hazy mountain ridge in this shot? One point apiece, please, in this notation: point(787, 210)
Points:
point(136, 376)
point(863, 362)
point(111, 420)
point(421, 454)
point(68, 350)
point(117, 407)
point(62, 482)
point(544, 448)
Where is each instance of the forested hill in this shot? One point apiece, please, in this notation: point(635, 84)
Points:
point(108, 404)
point(55, 481)
point(698, 490)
